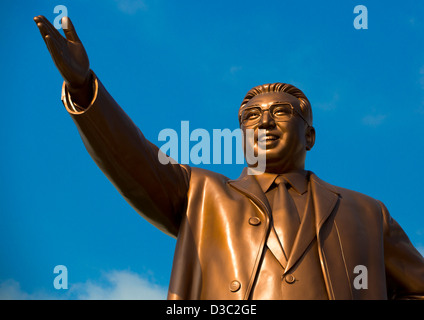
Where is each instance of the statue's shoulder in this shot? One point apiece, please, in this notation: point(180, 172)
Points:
point(347, 195)
point(201, 175)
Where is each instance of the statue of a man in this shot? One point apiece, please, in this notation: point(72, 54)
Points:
point(281, 234)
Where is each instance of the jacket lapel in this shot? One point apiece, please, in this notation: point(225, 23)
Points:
point(325, 199)
point(248, 185)
point(322, 199)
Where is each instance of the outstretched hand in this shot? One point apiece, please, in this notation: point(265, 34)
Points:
point(69, 57)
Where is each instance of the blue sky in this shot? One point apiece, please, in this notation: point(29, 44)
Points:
point(167, 62)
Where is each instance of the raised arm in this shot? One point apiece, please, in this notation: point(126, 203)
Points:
point(157, 192)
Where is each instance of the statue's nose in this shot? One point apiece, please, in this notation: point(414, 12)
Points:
point(266, 120)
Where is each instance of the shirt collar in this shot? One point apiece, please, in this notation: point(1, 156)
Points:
point(297, 179)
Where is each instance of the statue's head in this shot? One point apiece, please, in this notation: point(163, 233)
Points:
point(284, 113)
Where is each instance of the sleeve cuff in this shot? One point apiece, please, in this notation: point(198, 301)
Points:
point(71, 106)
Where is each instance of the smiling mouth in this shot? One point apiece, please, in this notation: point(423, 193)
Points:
point(268, 138)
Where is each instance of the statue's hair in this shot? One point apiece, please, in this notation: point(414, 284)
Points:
point(305, 105)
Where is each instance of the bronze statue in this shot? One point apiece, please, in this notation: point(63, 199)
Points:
point(283, 234)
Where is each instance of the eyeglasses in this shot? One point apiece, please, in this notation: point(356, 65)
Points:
point(279, 112)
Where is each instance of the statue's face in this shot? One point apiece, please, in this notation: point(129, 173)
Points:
point(288, 136)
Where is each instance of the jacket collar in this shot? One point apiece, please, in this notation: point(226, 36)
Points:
point(297, 179)
point(324, 195)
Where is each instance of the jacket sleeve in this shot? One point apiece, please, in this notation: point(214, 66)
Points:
point(404, 264)
point(157, 191)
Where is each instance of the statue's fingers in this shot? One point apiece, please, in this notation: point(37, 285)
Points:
point(38, 19)
point(45, 31)
point(53, 47)
point(50, 29)
point(69, 30)
point(42, 29)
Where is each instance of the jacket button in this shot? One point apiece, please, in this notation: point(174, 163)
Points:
point(235, 286)
point(290, 278)
point(254, 221)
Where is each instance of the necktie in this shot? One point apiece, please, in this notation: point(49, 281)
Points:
point(285, 216)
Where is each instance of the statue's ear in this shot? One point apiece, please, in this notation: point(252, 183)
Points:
point(310, 137)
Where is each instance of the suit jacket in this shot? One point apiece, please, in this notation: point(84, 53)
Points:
point(219, 249)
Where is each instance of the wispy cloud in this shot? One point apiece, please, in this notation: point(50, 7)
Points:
point(131, 6)
point(232, 73)
point(11, 290)
point(114, 285)
point(120, 285)
point(328, 105)
point(235, 69)
point(372, 120)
